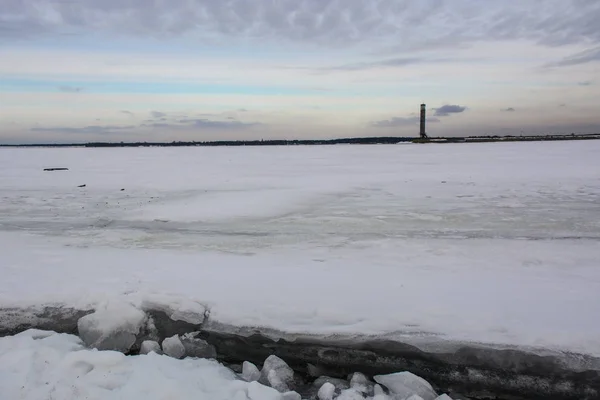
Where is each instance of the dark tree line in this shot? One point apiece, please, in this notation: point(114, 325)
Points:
point(308, 142)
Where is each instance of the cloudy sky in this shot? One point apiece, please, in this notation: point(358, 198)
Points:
point(162, 70)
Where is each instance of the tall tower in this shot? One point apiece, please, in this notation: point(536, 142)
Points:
point(422, 120)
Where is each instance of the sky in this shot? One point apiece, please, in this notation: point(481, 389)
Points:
point(161, 70)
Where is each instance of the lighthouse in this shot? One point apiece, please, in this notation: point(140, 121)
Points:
point(422, 132)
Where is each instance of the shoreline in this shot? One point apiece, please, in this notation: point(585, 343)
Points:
point(321, 142)
point(476, 371)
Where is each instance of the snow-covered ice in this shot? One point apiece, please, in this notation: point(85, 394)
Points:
point(489, 243)
point(38, 365)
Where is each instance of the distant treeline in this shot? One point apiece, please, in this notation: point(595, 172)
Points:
point(278, 142)
point(361, 140)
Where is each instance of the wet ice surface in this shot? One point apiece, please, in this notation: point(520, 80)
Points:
point(481, 242)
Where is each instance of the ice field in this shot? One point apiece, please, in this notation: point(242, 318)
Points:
point(493, 243)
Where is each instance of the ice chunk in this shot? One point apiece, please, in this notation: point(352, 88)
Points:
point(176, 308)
point(113, 326)
point(415, 397)
point(256, 391)
point(149, 346)
point(360, 382)
point(277, 374)
point(339, 384)
point(240, 395)
point(358, 378)
point(173, 347)
point(250, 372)
point(378, 390)
point(196, 347)
point(277, 382)
point(350, 394)
point(406, 384)
point(326, 391)
point(313, 370)
point(381, 397)
point(291, 396)
point(444, 397)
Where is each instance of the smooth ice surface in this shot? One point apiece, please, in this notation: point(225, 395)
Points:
point(493, 243)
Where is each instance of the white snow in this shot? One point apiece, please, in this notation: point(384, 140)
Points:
point(291, 395)
point(256, 391)
point(356, 240)
point(43, 365)
point(350, 394)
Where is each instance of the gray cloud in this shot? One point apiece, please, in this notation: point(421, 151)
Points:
point(399, 121)
point(448, 109)
point(202, 123)
point(185, 124)
point(414, 23)
point(159, 125)
point(127, 113)
point(585, 83)
point(396, 62)
point(509, 109)
point(230, 124)
point(91, 129)
point(158, 114)
point(583, 57)
point(390, 63)
point(70, 89)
